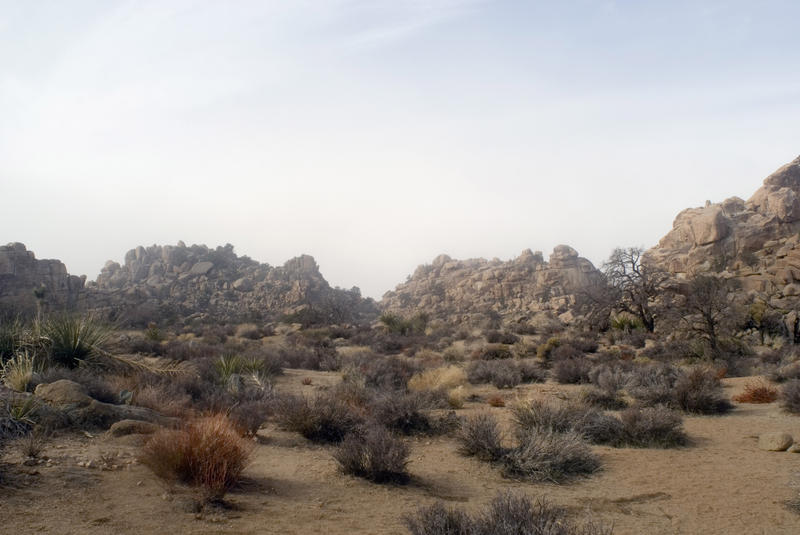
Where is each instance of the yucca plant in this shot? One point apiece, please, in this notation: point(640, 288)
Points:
point(74, 339)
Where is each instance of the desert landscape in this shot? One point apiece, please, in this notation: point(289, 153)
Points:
point(192, 390)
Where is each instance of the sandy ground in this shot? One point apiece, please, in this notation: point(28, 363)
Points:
point(721, 484)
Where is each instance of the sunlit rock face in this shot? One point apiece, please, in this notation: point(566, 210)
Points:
point(460, 291)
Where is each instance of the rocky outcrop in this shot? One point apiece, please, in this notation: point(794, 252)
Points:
point(457, 291)
point(24, 280)
point(755, 241)
point(162, 283)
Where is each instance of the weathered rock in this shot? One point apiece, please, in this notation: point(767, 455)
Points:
point(775, 441)
point(794, 448)
point(62, 393)
point(132, 427)
point(455, 291)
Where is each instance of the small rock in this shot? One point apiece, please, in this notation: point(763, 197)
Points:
point(775, 441)
point(794, 448)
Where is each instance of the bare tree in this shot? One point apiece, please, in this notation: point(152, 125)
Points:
point(710, 310)
point(634, 284)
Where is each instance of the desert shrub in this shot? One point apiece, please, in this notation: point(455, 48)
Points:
point(790, 396)
point(309, 354)
point(249, 331)
point(501, 373)
point(498, 337)
point(652, 427)
point(610, 378)
point(374, 454)
point(480, 437)
point(507, 514)
point(668, 352)
point(544, 351)
point(496, 401)
point(440, 520)
point(531, 371)
point(17, 371)
point(540, 415)
point(453, 354)
point(572, 371)
point(602, 398)
point(248, 416)
point(74, 339)
point(395, 323)
point(544, 455)
point(207, 453)
point(786, 372)
point(401, 412)
point(447, 377)
point(325, 418)
point(653, 384)
point(169, 402)
point(493, 352)
point(456, 397)
point(12, 334)
point(146, 346)
point(700, 391)
point(180, 350)
point(566, 352)
point(388, 372)
point(17, 419)
point(757, 392)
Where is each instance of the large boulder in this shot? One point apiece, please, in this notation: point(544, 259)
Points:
point(63, 393)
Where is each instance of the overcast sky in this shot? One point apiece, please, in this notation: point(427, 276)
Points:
point(377, 134)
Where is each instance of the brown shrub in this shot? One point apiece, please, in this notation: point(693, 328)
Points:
point(207, 453)
point(757, 392)
point(374, 454)
point(496, 401)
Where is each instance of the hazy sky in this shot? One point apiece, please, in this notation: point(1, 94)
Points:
point(375, 135)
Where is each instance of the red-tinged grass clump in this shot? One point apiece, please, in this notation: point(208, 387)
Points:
point(757, 392)
point(208, 453)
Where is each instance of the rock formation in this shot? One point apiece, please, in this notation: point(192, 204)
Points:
point(456, 291)
point(24, 280)
point(171, 282)
point(755, 241)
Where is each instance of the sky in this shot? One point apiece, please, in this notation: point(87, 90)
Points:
point(375, 135)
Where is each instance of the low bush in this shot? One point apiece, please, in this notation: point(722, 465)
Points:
point(325, 418)
point(207, 453)
point(548, 456)
point(566, 352)
point(507, 514)
point(651, 427)
point(498, 337)
point(790, 396)
point(538, 415)
point(493, 352)
point(654, 384)
point(387, 372)
point(700, 391)
point(572, 371)
point(496, 401)
point(544, 351)
point(480, 437)
point(401, 412)
point(500, 373)
point(604, 399)
point(374, 454)
point(444, 378)
point(786, 372)
point(757, 392)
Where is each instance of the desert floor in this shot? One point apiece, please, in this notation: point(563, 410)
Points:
point(721, 483)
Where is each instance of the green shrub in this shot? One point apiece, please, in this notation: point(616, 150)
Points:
point(74, 339)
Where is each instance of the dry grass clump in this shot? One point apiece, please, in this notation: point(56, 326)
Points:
point(757, 392)
point(790, 396)
point(496, 401)
point(480, 437)
point(207, 453)
point(17, 372)
point(374, 454)
point(456, 397)
point(700, 391)
point(326, 418)
point(444, 378)
point(544, 455)
point(507, 514)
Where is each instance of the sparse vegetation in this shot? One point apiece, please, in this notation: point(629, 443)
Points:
point(207, 454)
point(757, 392)
point(790, 396)
point(373, 453)
point(544, 455)
point(480, 437)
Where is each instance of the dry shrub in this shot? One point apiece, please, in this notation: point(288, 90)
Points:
point(307, 381)
point(249, 331)
point(207, 453)
point(539, 415)
point(374, 454)
point(572, 371)
point(480, 436)
point(757, 392)
point(652, 427)
point(326, 418)
point(700, 391)
point(444, 378)
point(163, 400)
point(602, 398)
point(402, 412)
point(544, 455)
point(507, 514)
point(496, 401)
point(790, 395)
point(456, 397)
point(493, 352)
point(501, 373)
